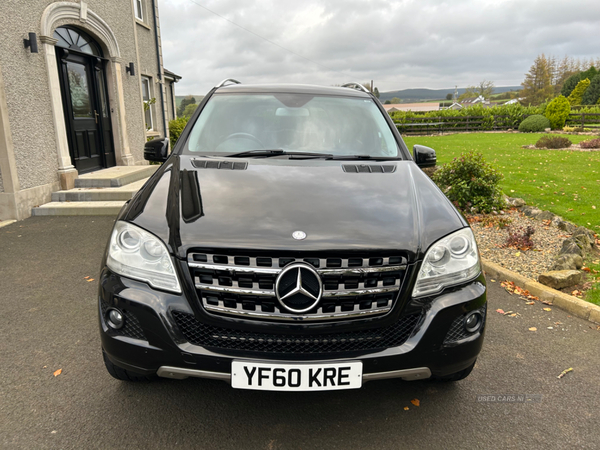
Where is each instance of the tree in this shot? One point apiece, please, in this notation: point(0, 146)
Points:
point(484, 88)
point(189, 110)
point(592, 93)
point(449, 96)
point(189, 100)
point(537, 86)
point(570, 84)
point(387, 102)
point(576, 96)
point(395, 101)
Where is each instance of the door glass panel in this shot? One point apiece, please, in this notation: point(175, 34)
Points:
point(103, 104)
point(80, 91)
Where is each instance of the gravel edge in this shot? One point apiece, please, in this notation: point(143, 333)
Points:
point(572, 305)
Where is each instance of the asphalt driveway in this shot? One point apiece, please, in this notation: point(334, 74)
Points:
point(48, 321)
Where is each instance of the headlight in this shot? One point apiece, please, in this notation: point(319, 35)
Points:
point(135, 253)
point(450, 261)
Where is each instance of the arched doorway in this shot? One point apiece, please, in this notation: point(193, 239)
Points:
point(82, 75)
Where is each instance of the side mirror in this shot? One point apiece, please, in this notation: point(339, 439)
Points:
point(157, 150)
point(424, 156)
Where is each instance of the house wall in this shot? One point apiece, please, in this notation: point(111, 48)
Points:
point(148, 64)
point(31, 126)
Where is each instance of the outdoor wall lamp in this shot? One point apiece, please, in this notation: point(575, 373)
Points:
point(130, 69)
point(31, 43)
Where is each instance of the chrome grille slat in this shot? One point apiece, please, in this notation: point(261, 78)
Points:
point(217, 278)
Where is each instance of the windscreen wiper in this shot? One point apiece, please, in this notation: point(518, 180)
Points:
point(277, 152)
point(258, 152)
point(365, 157)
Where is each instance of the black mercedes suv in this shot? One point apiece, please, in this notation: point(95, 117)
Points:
point(291, 242)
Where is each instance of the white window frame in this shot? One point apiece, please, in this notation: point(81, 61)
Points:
point(138, 7)
point(147, 81)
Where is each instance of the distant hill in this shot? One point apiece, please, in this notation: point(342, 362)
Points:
point(434, 94)
point(198, 98)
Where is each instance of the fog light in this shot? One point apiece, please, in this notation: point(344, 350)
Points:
point(473, 322)
point(115, 319)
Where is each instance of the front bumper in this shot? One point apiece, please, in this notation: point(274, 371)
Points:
point(153, 343)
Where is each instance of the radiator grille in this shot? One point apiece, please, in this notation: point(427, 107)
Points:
point(353, 286)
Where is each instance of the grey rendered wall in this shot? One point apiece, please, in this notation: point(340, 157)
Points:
point(27, 95)
point(1, 185)
point(148, 62)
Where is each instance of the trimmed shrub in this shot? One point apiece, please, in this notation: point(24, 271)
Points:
point(553, 142)
point(557, 112)
point(534, 124)
point(176, 127)
point(469, 182)
point(592, 143)
point(576, 96)
point(592, 93)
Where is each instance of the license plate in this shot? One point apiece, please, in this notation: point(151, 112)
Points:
point(296, 376)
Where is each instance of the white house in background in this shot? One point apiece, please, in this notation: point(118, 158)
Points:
point(433, 106)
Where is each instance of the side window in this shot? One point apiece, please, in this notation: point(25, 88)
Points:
point(148, 101)
point(139, 9)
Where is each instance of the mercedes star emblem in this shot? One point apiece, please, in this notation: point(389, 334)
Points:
point(299, 235)
point(298, 288)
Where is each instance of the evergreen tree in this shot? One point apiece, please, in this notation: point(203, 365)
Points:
point(570, 84)
point(592, 93)
point(537, 86)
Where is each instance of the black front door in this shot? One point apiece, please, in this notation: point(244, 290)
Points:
point(87, 114)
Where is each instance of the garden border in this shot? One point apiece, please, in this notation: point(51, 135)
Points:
point(569, 303)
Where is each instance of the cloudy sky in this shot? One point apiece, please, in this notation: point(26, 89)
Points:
point(398, 43)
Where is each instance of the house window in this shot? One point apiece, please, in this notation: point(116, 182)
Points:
point(139, 10)
point(148, 101)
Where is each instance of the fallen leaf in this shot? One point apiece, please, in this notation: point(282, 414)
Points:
point(493, 281)
point(507, 312)
point(86, 277)
point(58, 372)
point(512, 315)
point(547, 309)
point(564, 372)
point(530, 303)
point(415, 401)
point(533, 329)
point(586, 269)
point(518, 254)
point(500, 311)
point(91, 279)
point(406, 408)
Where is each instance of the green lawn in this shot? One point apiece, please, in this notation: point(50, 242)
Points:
point(564, 182)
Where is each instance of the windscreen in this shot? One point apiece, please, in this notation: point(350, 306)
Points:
point(231, 123)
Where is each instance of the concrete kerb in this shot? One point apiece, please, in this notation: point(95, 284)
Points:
point(572, 305)
point(3, 223)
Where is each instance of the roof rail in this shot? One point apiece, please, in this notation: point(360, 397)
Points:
point(357, 86)
point(225, 81)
